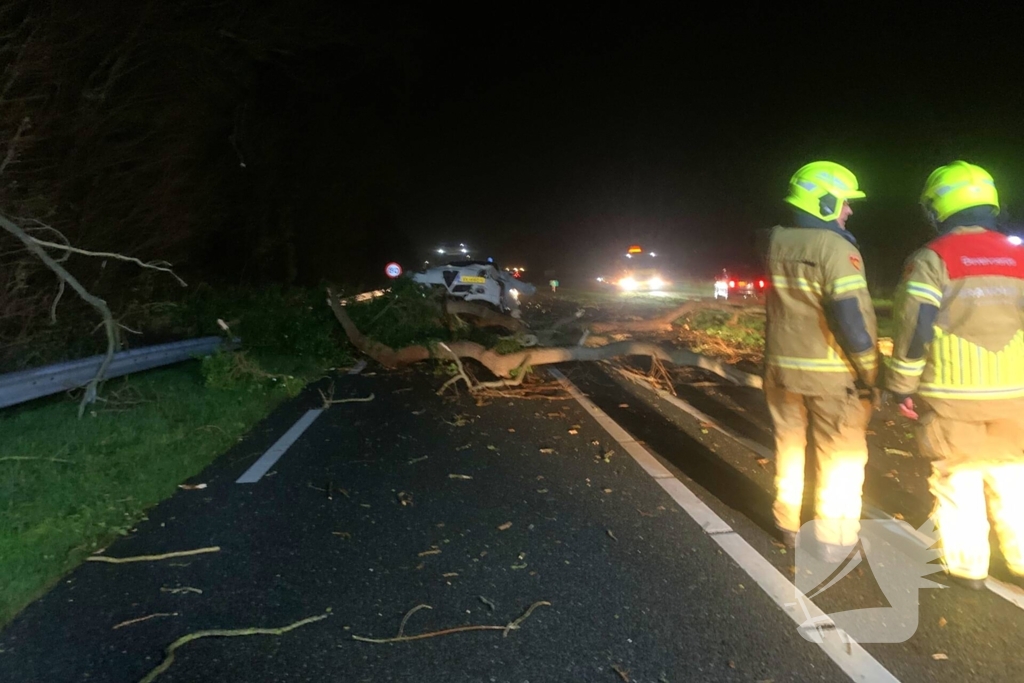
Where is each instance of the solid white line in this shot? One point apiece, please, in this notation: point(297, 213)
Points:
point(357, 368)
point(647, 461)
point(274, 453)
point(1013, 594)
point(853, 659)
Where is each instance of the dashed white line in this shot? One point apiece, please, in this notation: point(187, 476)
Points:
point(851, 657)
point(274, 453)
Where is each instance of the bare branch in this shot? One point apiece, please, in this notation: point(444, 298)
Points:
point(56, 300)
point(154, 265)
point(12, 146)
point(505, 365)
point(99, 304)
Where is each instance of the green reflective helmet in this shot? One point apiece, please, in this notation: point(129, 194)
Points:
point(958, 186)
point(818, 179)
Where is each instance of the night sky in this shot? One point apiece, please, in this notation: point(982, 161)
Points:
point(293, 141)
point(546, 135)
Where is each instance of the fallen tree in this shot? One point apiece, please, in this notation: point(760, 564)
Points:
point(664, 322)
point(483, 315)
point(504, 365)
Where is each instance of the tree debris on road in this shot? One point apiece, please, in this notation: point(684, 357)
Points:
point(401, 637)
point(222, 633)
point(152, 558)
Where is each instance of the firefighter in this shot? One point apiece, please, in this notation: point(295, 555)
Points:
point(820, 358)
point(959, 347)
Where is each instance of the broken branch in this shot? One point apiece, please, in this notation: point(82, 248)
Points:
point(222, 633)
point(162, 266)
point(401, 638)
point(503, 365)
point(99, 304)
point(139, 620)
point(27, 457)
point(152, 558)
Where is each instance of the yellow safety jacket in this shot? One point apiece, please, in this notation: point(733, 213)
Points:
point(810, 269)
point(968, 364)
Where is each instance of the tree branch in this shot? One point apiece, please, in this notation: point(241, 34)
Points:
point(12, 146)
point(503, 365)
point(162, 266)
point(99, 304)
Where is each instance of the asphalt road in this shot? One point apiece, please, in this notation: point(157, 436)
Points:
point(363, 520)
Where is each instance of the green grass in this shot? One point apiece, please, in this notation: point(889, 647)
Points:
point(127, 454)
point(747, 331)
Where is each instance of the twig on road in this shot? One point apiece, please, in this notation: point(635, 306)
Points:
point(329, 399)
point(139, 620)
point(152, 558)
point(401, 637)
point(222, 633)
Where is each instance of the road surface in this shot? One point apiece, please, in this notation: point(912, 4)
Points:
point(478, 511)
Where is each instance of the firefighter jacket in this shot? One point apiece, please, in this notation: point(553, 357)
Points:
point(821, 334)
point(959, 341)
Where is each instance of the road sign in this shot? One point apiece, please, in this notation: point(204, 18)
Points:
point(392, 270)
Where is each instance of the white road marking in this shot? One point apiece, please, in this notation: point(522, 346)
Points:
point(1009, 592)
point(357, 368)
point(274, 453)
point(852, 658)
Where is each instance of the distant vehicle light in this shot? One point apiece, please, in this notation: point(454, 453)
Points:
point(464, 250)
point(655, 282)
point(600, 279)
point(627, 283)
point(635, 249)
point(629, 256)
point(440, 251)
point(732, 283)
point(760, 283)
point(1015, 240)
point(653, 254)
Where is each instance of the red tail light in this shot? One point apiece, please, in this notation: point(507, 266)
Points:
point(732, 283)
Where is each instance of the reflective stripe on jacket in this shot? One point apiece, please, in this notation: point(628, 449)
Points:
point(804, 349)
point(974, 362)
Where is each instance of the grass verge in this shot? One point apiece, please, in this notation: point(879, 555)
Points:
point(70, 486)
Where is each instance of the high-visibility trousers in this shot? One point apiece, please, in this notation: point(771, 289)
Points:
point(838, 426)
point(978, 471)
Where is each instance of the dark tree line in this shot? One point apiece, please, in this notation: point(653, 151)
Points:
point(245, 143)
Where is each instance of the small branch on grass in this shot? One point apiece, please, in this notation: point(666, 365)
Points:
point(402, 638)
point(152, 558)
point(222, 633)
point(139, 620)
point(27, 457)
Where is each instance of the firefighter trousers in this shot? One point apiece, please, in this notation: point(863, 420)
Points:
point(838, 426)
point(977, 473)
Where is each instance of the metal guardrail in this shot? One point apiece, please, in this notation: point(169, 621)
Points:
point(25, 385)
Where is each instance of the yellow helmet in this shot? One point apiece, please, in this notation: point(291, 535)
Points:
point(813, 182)
point(956, 187)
